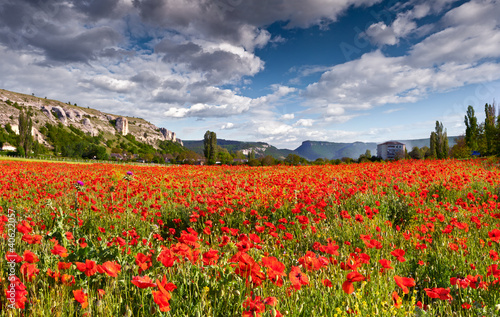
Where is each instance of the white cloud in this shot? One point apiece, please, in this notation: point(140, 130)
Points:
point(458, 55)
point(228, 126)
point(304, 123)
point(288, 116)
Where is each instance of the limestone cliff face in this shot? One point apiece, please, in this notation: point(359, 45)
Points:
point(85, 119)
point(122, 125)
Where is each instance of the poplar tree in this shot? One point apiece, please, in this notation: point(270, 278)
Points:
point(25, 127)
point(210, 147)
point(490, 128)
point(471, 129)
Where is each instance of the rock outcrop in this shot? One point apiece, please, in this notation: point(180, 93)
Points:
point(88, 120)
point(122, 125)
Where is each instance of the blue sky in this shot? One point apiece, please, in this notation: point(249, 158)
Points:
point(276, 71)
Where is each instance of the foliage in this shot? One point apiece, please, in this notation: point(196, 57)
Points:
point(210, 147)
point(439, 142)
point(71, 142)
point(471, 129)
point(25, 136)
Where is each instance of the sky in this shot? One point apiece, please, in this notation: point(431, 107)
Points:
point(276, 71)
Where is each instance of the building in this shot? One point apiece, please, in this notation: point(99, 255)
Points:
point(9, 148)
point(391, 150)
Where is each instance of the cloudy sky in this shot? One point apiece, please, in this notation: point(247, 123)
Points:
point(278, 71)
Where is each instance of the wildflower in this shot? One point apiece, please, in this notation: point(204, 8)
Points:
point(89, 268)
point(59, 250)
point(110, 268)
point(386, 265)
point(162, 296)
point(494, 235)
point(29, 271)
point(30, 257)
point(404, 283)
point(399, 254)
point(351, 278)
point(441, 293)
point(210, 257)
point(81, 297)
point(16, 292)
point(398, 301)
point(297, 278)
point(143, 281)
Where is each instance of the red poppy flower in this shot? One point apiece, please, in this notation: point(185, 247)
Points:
point(398, 301)
point(30, 257)
point(89, 268)
point(351, 278)
point(143, 281)
point(297, 278)
point(210, 257)
point(59, 250)
point(441, 293)
point(404, 283)
point(386, 265)
point(162, 296)
point(81, 297)
point(399, 254)
point(494, 235)
point(29, 271)
point(110, 268)
point(143, 261)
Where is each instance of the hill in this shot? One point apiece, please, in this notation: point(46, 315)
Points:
point(260, 148)
point(313, 150)
point(58, 125)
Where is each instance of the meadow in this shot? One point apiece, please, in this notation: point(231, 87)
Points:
point(405, 238)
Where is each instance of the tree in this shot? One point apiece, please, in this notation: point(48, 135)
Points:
point(416, 153)
point(471, 129)
point(368, 154)
point(490, 128)
point(292, 159)
point(460, 150)
point(25, 127)
point(268, 160)
point(433, 149)
point(439, 142)
point(210, 147)
point(251, 155)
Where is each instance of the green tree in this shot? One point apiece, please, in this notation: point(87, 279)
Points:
point(416, 153)
point(471, 129)
point(368, 154)
point(433, 149)
point(460, 150)
point(439, 142)
point(251, 155)
point(210, 147)
point(292, 159)
point(490, 128)
point(25, 136)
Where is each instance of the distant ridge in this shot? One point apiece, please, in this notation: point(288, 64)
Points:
point(310, 150)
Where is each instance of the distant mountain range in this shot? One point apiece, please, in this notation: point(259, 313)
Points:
point(310, 150)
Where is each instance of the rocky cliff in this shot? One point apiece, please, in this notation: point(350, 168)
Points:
point(87, 120)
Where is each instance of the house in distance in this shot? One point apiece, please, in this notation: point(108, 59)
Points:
point(391, 150)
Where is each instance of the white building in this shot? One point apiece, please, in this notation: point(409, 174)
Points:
point(7, 147)
point(391, 150)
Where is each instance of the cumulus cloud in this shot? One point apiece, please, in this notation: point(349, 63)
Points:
point(458, 55)
point(288, 116)
point(228, 126)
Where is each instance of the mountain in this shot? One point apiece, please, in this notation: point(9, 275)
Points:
point(109, 130)
point(260, 148)
point(313, 150)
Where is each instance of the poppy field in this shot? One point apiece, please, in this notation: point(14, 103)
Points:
point(405, 238)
